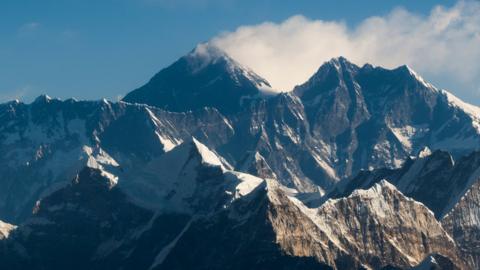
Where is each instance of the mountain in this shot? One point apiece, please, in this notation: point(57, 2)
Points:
point(357, 168)
point(450, 188)
point(92, 224)
point(374, 117)
point(343, 119)
point(381, 227)
point(435, 179)
point(206, 77)
point(189, 179)
point(44, 144)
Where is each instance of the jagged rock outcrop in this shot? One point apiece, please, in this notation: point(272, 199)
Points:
point(6, 229)
point(436, 262)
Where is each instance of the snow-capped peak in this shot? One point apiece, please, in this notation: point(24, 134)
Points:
point(208, 157)
point(42, 99)
point(425, 152)
point(418, 77)
point(374, 191)
point(339, 61)
point(337, 65)
point(206, 54)
point(95, 177)
point(100, 160)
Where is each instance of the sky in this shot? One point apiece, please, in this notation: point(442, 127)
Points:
point(90, 49)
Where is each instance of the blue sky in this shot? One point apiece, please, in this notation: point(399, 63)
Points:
point(94, 49)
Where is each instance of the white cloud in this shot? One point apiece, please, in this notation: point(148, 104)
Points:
point(30, 26)
point(444, 46)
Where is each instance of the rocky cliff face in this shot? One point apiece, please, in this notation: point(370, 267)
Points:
point(382, 227)
point(436, 262)
point(448, 187)
point(373, 228)
point(463, 224)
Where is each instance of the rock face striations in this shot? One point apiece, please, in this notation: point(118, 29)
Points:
point(205, 168)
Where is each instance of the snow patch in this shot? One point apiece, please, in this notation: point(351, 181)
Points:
point(407, 134)
point(208, 157)
point(247, 183)
point(162, 255)
point(425, 152)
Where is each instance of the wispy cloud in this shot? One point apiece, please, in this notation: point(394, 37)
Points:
point(443, 45)
point(29, 27)
point(19, 93)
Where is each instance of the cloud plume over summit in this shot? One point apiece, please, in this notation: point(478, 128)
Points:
point(443, 46)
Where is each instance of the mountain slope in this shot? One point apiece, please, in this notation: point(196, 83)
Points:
point(189, 179)
point(44, 144)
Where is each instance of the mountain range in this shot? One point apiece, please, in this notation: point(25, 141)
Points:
point(207, 167)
